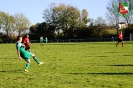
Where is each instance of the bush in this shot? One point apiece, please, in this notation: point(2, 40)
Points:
point(13, 37)
point(1, 40)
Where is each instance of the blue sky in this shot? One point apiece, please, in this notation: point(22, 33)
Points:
point(33, 9)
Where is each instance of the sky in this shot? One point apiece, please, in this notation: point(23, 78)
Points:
point(33, 9)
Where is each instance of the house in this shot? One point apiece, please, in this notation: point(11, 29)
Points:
point(122, 25)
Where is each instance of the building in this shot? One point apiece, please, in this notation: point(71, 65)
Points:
point(122, 25)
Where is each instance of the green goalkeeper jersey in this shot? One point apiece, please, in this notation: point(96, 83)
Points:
point(23, 53)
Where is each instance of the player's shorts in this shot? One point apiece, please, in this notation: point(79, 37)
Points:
point(120, 40)
point(27, 47)
point(26, 55)
point(41, 41)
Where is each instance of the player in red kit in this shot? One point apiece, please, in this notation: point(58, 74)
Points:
point(26, 42)
point(120, 39)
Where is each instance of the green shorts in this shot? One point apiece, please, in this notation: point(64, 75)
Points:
point(27, 55)
point(41, 41)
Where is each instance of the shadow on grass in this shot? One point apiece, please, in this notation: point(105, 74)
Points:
point(63, 43)
point(122, 65)
point(127, 55)
point(110, 52)
point(101, 56)
point(13, 71)
point(105, 73)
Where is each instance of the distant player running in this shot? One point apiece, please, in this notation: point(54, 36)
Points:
point(22, 53)
point(26, 42)
point(120, 39)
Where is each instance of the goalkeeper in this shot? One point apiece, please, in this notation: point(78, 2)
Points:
point(22, 53)
point(120, 39)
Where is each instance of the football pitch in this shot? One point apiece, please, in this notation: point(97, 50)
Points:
point(69, 65)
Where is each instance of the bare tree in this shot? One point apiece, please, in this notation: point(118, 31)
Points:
point(114, 16)
point(100, 25)
point(22, 23)
point(6, 23)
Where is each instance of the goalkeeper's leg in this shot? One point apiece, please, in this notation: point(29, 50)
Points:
point(36, 59)
point(122, 43)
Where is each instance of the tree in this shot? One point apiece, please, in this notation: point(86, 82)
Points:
point(84, 17)
point(98, 27)
point(114, 16)
point(65, 17)
point(1, 20)
point(22, 23)
point(33, 29)
point(70, 20)
point(41, 29)
point(111, 15)
point(6, 23)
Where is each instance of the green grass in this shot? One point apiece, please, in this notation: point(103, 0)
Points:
point(69, 65)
